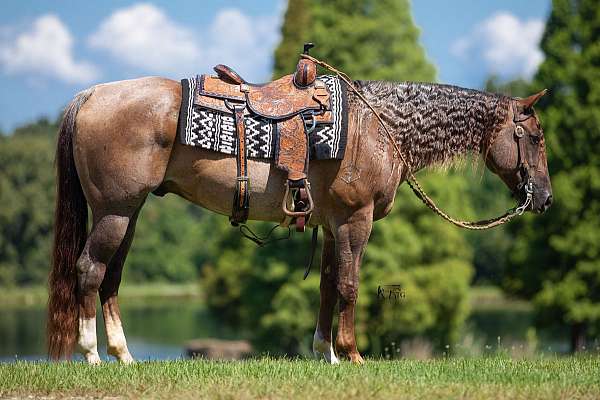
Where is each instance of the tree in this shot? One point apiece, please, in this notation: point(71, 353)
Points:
point(27, 203)
point(165, 246)
point(556, 258)
point(368, 39)
point(294, 33)
point(261, 290)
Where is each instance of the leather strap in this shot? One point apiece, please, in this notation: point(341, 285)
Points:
point(241, 199)
point(313, 247)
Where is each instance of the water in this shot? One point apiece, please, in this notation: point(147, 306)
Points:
point(154, 330)
point(158, 330)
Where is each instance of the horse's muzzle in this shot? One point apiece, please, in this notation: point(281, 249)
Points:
point(547, 203)
point(542, 202)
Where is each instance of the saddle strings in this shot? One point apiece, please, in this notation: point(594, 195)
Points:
point(264, 240)
point(411, 179)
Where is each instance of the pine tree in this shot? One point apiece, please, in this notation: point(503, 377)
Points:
point(368, 39)
point(293, 35)
point(556, 258)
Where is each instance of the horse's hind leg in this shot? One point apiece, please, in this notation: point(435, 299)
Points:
point(105, 238)
point(322, 338)
point(109, 289)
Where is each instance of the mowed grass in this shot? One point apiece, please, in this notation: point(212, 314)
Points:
point(480, 378)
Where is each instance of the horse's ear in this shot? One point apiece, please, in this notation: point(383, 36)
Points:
point(530, 101)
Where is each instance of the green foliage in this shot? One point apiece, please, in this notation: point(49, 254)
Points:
point(294, 33)
point(262, 290)
point(27, 199)
point(167, 242)
point(556, 258)
point(367, 39)
point(167, 245)
point(429, 258)
point(515, 88)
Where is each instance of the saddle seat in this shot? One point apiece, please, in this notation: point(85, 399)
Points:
point(279, 99)
point(305, 75)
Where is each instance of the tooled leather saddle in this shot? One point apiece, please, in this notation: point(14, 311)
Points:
point(296, 102)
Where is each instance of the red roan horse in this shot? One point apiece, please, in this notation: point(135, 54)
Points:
point(117, 143)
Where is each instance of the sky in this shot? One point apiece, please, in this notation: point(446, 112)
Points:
point(50, 50)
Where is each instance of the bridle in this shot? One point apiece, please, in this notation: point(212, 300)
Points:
point(524, 165)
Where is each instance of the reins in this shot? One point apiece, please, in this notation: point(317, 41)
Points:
point(414, 183)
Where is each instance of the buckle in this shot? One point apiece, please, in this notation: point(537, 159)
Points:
point(519, 131)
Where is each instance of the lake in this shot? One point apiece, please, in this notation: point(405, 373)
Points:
point(158, 329)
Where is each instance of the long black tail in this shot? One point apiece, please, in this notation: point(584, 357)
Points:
point(70, 233)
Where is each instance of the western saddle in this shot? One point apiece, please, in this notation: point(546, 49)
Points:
point(296, 102)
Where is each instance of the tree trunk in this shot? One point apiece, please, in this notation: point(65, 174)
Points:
point(578, 331)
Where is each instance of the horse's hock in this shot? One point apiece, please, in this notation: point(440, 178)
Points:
point(216, 349)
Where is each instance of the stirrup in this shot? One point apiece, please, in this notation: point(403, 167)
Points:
point(304, 184)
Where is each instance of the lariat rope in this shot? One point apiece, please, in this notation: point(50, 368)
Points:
point(412, 180)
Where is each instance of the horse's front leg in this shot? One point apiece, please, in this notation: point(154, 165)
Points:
point(351, 238)
point(322, 340)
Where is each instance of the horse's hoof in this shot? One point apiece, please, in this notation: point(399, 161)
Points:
point(329, 358)
point(356, 358)
point(126, 359)
point(93, 359)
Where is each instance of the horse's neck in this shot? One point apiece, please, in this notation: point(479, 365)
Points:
point(434, 124)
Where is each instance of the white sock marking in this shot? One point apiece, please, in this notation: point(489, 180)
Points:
point(117, 345)
point(321, 347)
point(86, 342)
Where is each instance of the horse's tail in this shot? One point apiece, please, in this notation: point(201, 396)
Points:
point(70, 233)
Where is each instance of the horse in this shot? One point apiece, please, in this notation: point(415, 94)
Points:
point(117, 144)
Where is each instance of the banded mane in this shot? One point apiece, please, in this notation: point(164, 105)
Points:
point(435, 123)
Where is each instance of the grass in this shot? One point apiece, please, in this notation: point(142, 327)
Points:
point(465, 378)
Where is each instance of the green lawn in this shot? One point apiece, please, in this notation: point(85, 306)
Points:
point(496, 377)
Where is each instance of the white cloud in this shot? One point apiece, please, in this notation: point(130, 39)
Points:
point(509, 46)
point(45, 49)
point(144, 37)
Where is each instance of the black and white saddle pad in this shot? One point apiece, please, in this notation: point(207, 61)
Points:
point(214, 130)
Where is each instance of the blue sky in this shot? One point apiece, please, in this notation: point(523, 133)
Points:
point(51, 50)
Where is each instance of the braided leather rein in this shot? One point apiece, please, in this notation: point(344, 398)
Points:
point(414, 183)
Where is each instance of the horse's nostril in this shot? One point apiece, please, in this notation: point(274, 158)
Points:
point(548, 202)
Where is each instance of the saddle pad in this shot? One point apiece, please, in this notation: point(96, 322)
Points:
point(214, 130)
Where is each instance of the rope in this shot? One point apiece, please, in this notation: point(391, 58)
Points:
point(412, 180)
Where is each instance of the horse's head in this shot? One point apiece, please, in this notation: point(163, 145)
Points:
point(517, 154)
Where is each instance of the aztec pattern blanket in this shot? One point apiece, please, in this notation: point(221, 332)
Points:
point(213, 130)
